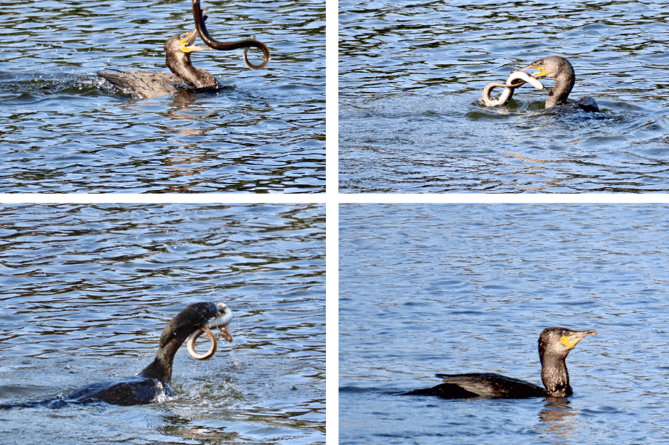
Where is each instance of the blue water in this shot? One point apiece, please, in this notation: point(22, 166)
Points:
point(468, 288)
point(411, 74)
point(85, 291)
point(59, 133)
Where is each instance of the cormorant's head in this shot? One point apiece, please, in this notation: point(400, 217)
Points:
point(552, 67)
point(557, 342)
point(222, 320)
point(190, 319)
point(181, 45)
point(178, 49)
point(560, 70)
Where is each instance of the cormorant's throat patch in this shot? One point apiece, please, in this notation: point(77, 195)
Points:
point(183, 43)
point(568, 342)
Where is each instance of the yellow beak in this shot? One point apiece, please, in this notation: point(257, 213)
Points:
point(541, 73)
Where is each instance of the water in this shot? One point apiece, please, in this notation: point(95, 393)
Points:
point(87, 289)
point(468, 288)
point(411, 74)
point(265, 133)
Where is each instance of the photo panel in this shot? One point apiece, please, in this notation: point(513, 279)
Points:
point(129, 96)
point(95, 299)
point(502, 97)
point(462, 290)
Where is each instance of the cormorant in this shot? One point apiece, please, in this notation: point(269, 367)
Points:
point(178, 48)
point(560, 70)
point(155, 380)
point(151, 84)
point(554, 346)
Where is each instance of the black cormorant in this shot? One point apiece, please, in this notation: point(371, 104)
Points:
point(560, 70)
point(155, 380)
point(554, 346)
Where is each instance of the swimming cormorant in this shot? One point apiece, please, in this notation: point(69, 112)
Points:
point(560, 70)
point(554, 346)
point(155, 380)
point(178, 49)
point(150, 84)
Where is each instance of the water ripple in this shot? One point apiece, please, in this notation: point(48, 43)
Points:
point(468, 288)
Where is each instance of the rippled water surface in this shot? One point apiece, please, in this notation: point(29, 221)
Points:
point(468, 288)
point(412, 73)
point(86, 290)
point(264, 133)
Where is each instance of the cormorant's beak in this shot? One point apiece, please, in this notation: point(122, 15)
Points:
point(187, 40)
point(222, 320)
point(535, 66)
point(571, 339)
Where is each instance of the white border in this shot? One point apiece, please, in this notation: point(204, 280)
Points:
point(332, 324)
point(332, 221)
point(480, 198)
point(331, 198)
point(170, 198)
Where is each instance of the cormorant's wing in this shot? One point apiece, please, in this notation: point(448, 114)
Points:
point(145, 84)
point(493, 385)
point(130, 391)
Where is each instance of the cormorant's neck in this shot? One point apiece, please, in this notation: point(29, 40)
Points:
point(161, 367)
point(564, 82)
point(180, 64)
point(555, 376)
